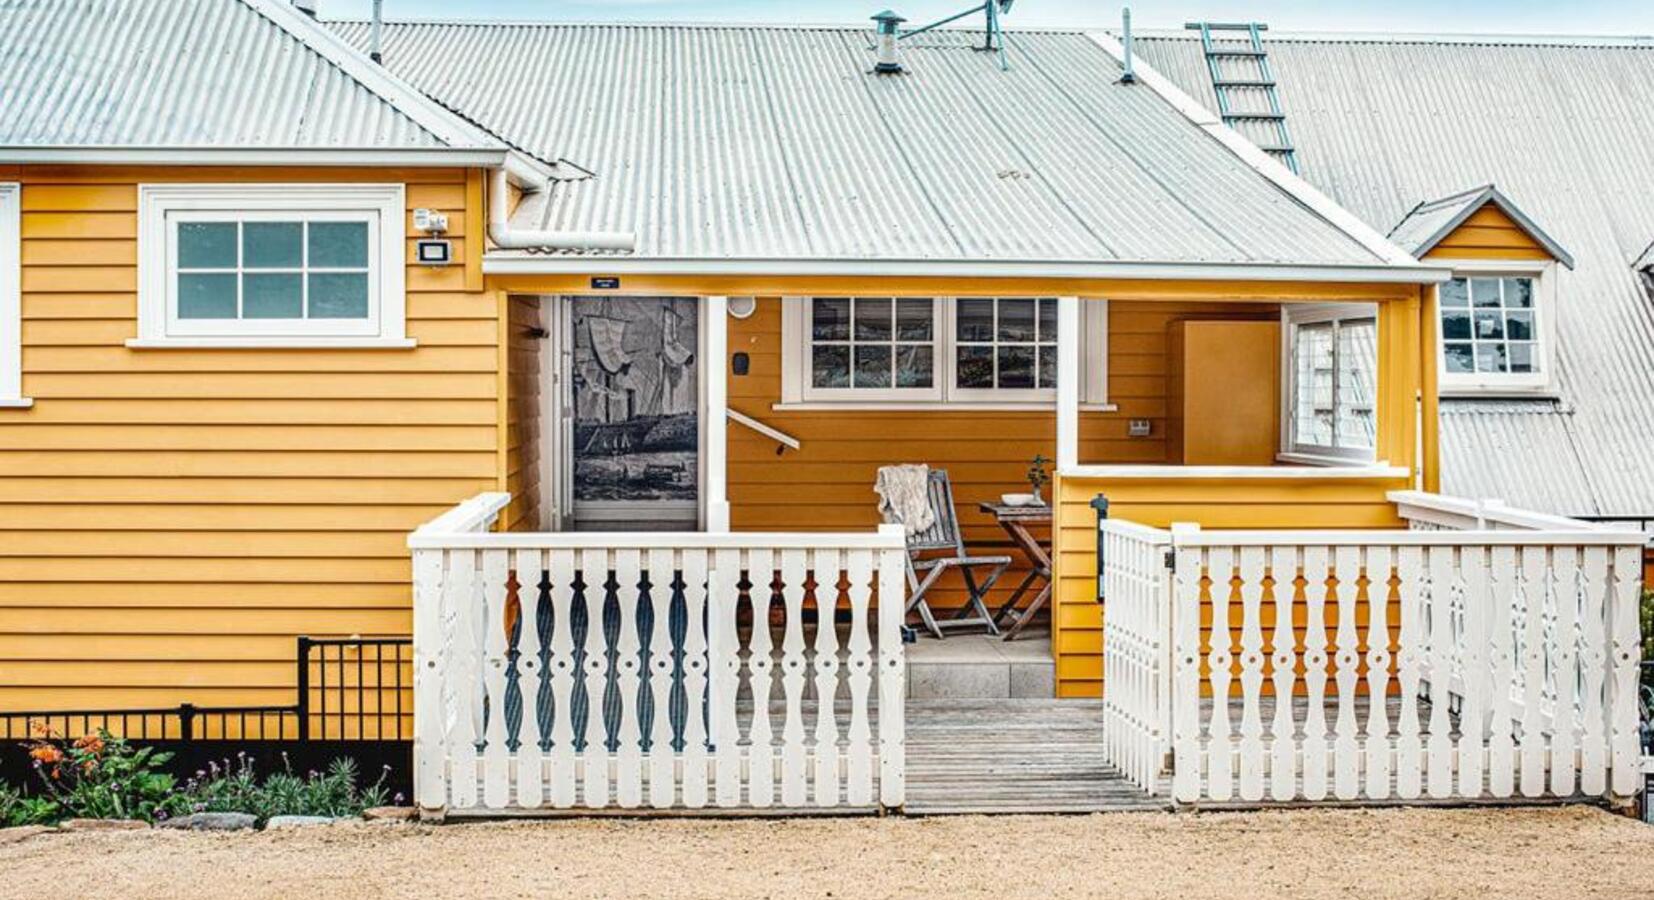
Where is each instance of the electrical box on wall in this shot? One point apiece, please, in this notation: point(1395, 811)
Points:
point(1137, 428)
point(433, 252)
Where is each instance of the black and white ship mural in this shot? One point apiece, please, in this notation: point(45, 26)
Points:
point(636, 392)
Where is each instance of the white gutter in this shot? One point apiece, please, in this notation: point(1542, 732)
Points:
point(259, 156)
point(507, 238)
point(514, 264)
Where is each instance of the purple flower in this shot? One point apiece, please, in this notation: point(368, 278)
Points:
point(398, 798)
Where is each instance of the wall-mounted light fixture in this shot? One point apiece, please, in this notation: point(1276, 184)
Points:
point(742, 307)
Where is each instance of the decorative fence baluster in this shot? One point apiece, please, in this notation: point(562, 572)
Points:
point(724, 670)
point(496, 568)
point(1346, 748)
point(628, 664)
point(1221, 745)
point(1532, 572)
point(697, 664)
point(825, 753)
point(1251, 677)
point(794, 784)
point(1409, 664)
point(530, 773)
point(859, 572)
point(1593, 658)
point(1377, 755)
point(594, 751)
point(1283, 761)
point(1501, 744)
point(662, 759)
point(761, 678)
point(1478, 677)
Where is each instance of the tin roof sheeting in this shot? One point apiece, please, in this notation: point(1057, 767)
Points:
point(1383, 124)
point(778, 142)
point(173, 73)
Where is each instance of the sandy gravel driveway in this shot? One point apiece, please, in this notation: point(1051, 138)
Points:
point(1483, 854)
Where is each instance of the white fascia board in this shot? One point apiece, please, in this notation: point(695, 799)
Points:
point(414, 104)
point(255, 156)
point(1259, 161)
point(515, 264)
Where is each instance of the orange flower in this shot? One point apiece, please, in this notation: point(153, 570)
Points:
point(41, 729)
point(46, 754)
point(90, 743)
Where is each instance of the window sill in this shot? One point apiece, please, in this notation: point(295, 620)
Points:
point(932, 406)
point(16, 403)
point(271, 343)
point(1375, 471)
point(1498, 393)
point(1316, 459)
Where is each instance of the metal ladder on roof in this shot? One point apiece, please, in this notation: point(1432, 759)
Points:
point(1229, 87)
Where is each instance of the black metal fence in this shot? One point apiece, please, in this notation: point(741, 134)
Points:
point(354, 699)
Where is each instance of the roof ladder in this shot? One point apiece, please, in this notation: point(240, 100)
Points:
point(1239, 72)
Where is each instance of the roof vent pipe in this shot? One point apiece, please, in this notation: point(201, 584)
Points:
point(885, 43)
point(378, 26)
point(507, 238)
point(1129, 76)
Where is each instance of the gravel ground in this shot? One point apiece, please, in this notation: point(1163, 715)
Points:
point(1480, 853)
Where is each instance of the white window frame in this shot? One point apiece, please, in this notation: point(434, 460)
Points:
point(798, 393)
point(11, 297)
point(1294, 315)
point(162, 206)
point(932, 394)
point(1497, 384)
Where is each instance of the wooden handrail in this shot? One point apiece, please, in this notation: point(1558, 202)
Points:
point(780, 437)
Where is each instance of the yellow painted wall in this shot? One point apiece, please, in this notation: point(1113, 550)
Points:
point(1488, 234)
point(1406, 380)
point(524, 383)
point(171, 519)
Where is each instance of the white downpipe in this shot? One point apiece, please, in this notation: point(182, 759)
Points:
point(1068, 384)
point(507, 238)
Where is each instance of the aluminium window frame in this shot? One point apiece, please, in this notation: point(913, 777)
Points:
point(1293, 316)
point(797, 393)
point(1507, 384)
point(161, 207)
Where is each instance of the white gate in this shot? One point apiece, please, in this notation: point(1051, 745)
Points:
point(589, 671)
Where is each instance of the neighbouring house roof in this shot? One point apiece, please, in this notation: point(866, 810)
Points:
point(779, 143)
point(1381, 123)
point(102, 75)
point(1433, 220)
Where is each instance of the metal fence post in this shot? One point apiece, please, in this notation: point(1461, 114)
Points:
point(304, 687)
point(186, 722)
point(1100, 504)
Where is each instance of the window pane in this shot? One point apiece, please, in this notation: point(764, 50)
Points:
point(1523, 358)
point(873, 320)
point(872, 366)
point(830, 367)
point(206, 245)
point(1016, 320)
point(1519, 293)
point(1047, 367)
point(1459, 358)
point(1357, 377)
point(339, 296)
point(830, 320)
point(1489, 325)
point(272, 245)
point(1313, 362)
point(1484, 291)
point(1016, 367)
point(976, 320)
point(914, 320)
point(976, 367)
point(1455, 293)
point(1519, 326)
point(915, 366)
point(1048, 321)
point(272, 296)
point(1455, 325)
point(1490, 358)
point(338, 245)
point(206, 296)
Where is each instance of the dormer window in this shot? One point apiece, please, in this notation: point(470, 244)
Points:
point(1495, 328)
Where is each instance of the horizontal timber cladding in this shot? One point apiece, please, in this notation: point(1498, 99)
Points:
point(171, 519)
point(1488, 234)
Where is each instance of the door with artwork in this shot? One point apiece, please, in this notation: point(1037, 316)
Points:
point(633, 413)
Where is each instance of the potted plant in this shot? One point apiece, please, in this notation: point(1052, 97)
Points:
point(1038, 478)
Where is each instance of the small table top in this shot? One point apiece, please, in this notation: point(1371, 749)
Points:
point(1000, 511)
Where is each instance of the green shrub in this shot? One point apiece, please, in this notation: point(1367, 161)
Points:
point(16, 809)
point(237, 788)
point(97, 776)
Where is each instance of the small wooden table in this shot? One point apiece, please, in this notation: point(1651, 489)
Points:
point(1016, 520)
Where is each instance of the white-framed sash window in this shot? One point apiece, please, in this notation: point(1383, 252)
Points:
point(1496, 327)
point(905, 351)
point(11, 296)
point(271, 265)
point(1330, 361)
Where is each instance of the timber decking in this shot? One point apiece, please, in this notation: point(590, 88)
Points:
point(1014, 756)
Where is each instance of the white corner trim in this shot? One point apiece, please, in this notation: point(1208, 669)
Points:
point(1259, 161)
point(1375, 471)
point(382, 203)
point(410, 102)
point(11, 293)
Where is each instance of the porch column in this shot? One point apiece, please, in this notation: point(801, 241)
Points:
point(716, 367)
point(1068, 382)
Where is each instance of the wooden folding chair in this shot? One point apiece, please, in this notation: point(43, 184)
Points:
point(924, 568)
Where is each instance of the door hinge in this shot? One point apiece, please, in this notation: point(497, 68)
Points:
point(1171, 560)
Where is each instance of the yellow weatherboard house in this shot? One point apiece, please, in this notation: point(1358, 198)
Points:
point(577, 353)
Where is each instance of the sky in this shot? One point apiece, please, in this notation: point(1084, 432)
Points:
point(1609, 17)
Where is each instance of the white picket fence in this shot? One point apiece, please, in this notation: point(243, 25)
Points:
point(1379, 665)
point(593, 671)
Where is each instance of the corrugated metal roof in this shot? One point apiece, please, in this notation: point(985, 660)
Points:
point(1381, 125)
point(778, 142)
point(174, 73)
